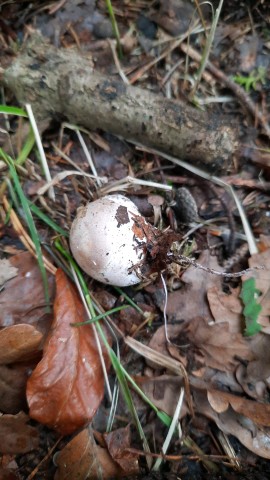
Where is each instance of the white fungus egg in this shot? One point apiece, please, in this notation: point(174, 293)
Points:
point(106, 241)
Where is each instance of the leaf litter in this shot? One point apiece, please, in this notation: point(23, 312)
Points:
point(82, 458)
point(228, 373)
point(208, 349)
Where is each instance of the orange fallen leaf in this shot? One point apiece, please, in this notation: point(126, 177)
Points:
point(19, 343)
point(259, 413)
point(82, 458)
point(66, 388)
point(118, 441)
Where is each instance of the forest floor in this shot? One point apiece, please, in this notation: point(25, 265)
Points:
point(189, 345)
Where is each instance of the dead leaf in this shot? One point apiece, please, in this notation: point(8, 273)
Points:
point(200, 343)
point(254, 376)
point(83, 459)
point(13, 380)
point(9, 474)
point(259, 413)
point(18, 343)
point(219, 346)
point(16, 437)
point(191, 300)
point(232, 423)
point(227, 308)
point(174, 16)
point(22, 300)
point(256, 389)
point(117, 442)
point(67, 386)
point(163, 391)
point(7, 271)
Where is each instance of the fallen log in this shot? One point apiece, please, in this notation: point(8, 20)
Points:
point(60, 83)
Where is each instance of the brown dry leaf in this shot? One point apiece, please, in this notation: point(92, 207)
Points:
point(255, 439)
point(174, 16)
point(22, 300)
point(9, 474)
point(254, 377)
point(13, 380)
point(83, 459)
point(191, 300)
point(7, 271)
point(202, 343)
point(219, 346)
point(16, 436)
point(117, 442)
point(259, 413)
point(163, 391)
point(19, 343)
point(227, 308)
point(259, 369)
point(67, 386)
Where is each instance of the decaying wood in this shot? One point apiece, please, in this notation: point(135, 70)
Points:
point(60, 83)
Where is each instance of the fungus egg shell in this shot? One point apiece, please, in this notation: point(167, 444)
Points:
point(104, 243)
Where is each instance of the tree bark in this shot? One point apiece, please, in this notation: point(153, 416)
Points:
point(60, 83)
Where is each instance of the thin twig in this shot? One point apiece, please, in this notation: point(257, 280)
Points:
point(139, 73)
point(36, 469)
point(238, 91)
point(66, 173)
point(182, 260)
point(117, 62)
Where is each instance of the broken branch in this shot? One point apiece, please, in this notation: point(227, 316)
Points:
point(61, 83)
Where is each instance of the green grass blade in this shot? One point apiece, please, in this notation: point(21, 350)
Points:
point(166, 419)
point(51, 223)
point(251, 312)
point(30, 223)
point(25, 151)
point(101, 316)
point(129, 300)
point(115, 28)
point(13, 111)
point(23, 155)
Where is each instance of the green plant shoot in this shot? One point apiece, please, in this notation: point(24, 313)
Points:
point(251, 81)
point(249, 295)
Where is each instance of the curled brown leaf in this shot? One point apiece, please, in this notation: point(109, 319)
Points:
point(18, 343)
point(66, 388)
